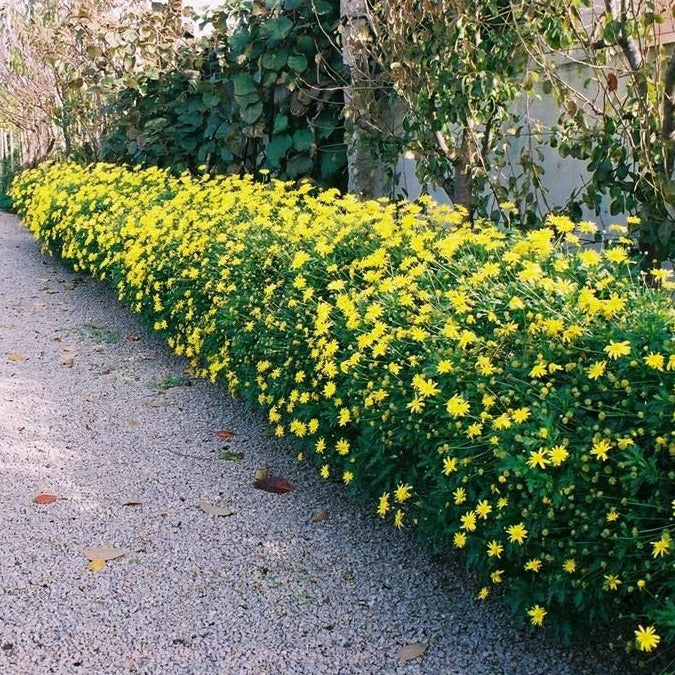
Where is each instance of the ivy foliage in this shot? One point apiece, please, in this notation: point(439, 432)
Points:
point(261, 92)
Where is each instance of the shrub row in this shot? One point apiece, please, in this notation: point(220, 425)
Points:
point(508, 394)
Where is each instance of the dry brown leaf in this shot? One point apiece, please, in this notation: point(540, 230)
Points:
point(105, 553)
point(412, 651)
point(96, 565)
point(45, 498)
point(68, 362)
point(275, 484)
point(132, 502)
point(320, 517)
point(225, 433)
point(612, 82)
point(16, 357)
point(214, 510)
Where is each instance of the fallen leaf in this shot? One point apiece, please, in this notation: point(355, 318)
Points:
point(133, 423)
point(214, 510)
point(612, 82)
point(96, 565)
point(320, 517)
point(133, 338)
point(68, 362)
point(16, 357)
point(225, 433)
point(230, 456)
point(412, 651)
point(275, 484)
point(132, 502)
point(45, 498)
point(105, 553)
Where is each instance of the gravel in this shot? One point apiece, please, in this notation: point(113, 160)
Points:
point(84, 415)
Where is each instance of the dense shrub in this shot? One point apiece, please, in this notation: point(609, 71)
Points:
point(262, 91)
point(509, 394)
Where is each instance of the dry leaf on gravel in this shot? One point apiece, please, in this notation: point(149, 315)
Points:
point(105, 553)
point(132, 502)
point(96, 565)
point(45, 498)
point(412, 651)
point(215, 510)
point(230, 456)
point(225, 433)
point(320, 517)
point(275, 484)
point(68, 362)
point(16, 357)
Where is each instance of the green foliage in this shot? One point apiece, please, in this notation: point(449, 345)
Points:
point(509, 394)
point(263, 96)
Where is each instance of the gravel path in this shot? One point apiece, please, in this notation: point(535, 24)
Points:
point(86, 413)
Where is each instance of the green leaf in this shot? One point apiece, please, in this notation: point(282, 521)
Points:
point(300, 165)
point(277, 148)
point(280, 123)
point(238, 41)
point(277, 29)
point(297, 62)
point(251, 114)
point(273, 60)
point(303, 139)
point(243, 84)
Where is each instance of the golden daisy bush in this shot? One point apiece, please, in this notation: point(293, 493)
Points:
point(501, 391)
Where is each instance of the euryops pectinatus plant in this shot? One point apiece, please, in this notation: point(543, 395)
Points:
point(509, 394)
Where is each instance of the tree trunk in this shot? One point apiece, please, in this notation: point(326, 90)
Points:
point(361, 154)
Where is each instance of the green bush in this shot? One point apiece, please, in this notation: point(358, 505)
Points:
point(508, 394)
point(265, 95)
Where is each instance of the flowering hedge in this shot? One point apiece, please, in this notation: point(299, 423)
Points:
point(509, 394)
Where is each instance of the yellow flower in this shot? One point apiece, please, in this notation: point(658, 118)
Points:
point(483, 593)
point(613, 582)
point(538, 458)
point(616, 349)
point(483, 509)
point(660, 547)
point(520, 415)
point(570, 566)
point(398, 518)
point(459, 540)
point(596, 370)
point(459, 495)
point(600, 449)
point(468, 521)
point(383, 505)
point(474, 430)
point(457, 406)
point(444, 366)
point(517, 533)
point(539, 370)
point(324, 471)
point(558, 454)
point(646, 639)
point(533, 565)
point(345, 417)
point(495, 549)
point(347, 477)
point(537, 615)
point(496, 576)
point(449, 465)
point(342, 447)
point(402, 493)
point(655, 360)
point(612, 515)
